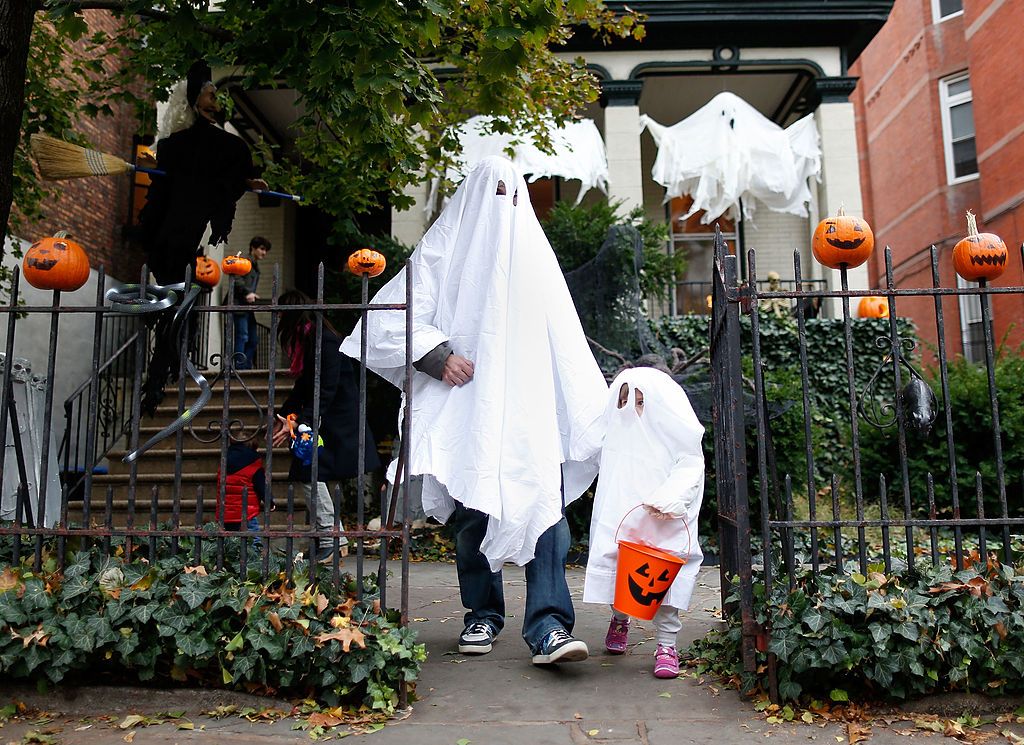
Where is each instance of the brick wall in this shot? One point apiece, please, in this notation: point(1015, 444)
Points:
point(907, 198)
point(95, 209)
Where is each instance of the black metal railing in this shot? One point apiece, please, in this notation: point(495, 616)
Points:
point(886, 486)
point(694, 296)
point(167, 496)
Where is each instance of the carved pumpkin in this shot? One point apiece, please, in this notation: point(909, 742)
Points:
point(979, 256)
point(237, 265)
point(873, 307)
point(207, 271)
point(366, 261)
point(842, 240)
point(56, 263)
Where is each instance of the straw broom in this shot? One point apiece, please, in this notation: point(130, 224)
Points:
point(58, 159)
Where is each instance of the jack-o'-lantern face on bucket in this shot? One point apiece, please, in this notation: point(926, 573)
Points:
point(647, 586)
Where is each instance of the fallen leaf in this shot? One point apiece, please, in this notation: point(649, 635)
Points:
point(321, 603)
point(593, 732)
point(197, 569)
point(664, 694)
point(130, 736)
point(132, 720)
point(577, 715)
point(320, 719)
point(857, 733)
point(346, 636)
point(8, 580)
point(463, 741)
point(275, 621)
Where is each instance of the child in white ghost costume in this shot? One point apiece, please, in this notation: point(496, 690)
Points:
point(651, 456)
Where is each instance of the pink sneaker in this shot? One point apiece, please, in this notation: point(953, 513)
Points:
point(666, 662)
point(616, 640)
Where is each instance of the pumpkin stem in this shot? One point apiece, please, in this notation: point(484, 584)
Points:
point(842, 210)
point(62, 234)
point(972, 225)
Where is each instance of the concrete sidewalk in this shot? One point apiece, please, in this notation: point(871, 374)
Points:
point(495, 699)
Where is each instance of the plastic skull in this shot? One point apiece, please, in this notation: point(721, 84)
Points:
point(21, 371)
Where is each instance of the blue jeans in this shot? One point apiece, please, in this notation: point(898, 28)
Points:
point(252, 525)
point(246, 341)
point(548, 604)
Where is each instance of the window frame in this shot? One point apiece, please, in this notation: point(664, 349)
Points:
point(946, 104)
point(937, 12)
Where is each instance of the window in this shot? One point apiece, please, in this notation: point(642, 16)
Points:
point(697, 241)
point(943, 9)
point(972, 332)
point(958, 128)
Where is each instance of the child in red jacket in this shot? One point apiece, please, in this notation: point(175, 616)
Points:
point(245, 473)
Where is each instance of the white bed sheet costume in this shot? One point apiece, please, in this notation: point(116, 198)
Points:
point(653, 459)
point(487, 282)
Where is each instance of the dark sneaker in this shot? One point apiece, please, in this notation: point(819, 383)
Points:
point(560, 646)
point(476, 638)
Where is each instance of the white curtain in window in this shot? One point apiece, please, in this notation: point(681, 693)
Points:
point(728, 151)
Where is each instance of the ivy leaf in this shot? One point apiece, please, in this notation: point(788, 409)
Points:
point(782, 646)
point(814, 619)
point(908, 630)
point(194, 589)
point(839, 695)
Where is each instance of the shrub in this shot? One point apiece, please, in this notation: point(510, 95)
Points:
point(890, 636)
point(972, 437)
point(576, 234)
point(169, 621)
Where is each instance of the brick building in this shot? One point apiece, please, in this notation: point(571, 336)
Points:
point(937, 136)
point(96, 210)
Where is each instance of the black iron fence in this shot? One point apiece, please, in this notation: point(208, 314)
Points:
point(148, 483)
point(881, 485)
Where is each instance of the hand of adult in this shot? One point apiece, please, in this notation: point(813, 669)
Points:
point(457, 370)
point(252, 297)
point(281, 431)
point(257, 184)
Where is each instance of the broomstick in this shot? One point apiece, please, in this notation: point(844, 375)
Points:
point(60, 160)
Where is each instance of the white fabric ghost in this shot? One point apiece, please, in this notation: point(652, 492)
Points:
point(486, 280)
point(654, 459)
point(728, 150)
point(578, 153)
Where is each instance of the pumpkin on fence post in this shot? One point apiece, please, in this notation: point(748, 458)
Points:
point(873, 307)
point(842, 240)
point(236, 265)
point(56, 263)
point(980, 256)
point(366, 261)
point(207, 272)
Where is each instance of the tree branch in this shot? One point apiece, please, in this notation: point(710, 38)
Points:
point(122, 6)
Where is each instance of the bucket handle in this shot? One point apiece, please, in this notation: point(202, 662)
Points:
point(689, 537)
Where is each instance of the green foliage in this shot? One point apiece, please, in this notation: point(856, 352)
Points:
point(379, 84)
point(169, 621)
point(972, 437)
point(55, 107)
point(576, 234)
point(827, 389)
point(888, 636)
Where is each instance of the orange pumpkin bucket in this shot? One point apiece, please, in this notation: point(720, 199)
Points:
point(643, 576)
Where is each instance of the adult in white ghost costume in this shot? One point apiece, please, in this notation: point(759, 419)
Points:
point(651, 456)
point(506, 401)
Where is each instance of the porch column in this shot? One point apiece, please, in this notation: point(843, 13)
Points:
point(840, 171)
point(408, 226)
point(621, 100)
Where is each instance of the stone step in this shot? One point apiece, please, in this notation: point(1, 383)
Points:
point(195, 460)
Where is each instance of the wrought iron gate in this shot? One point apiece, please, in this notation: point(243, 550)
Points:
point(895, 513)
